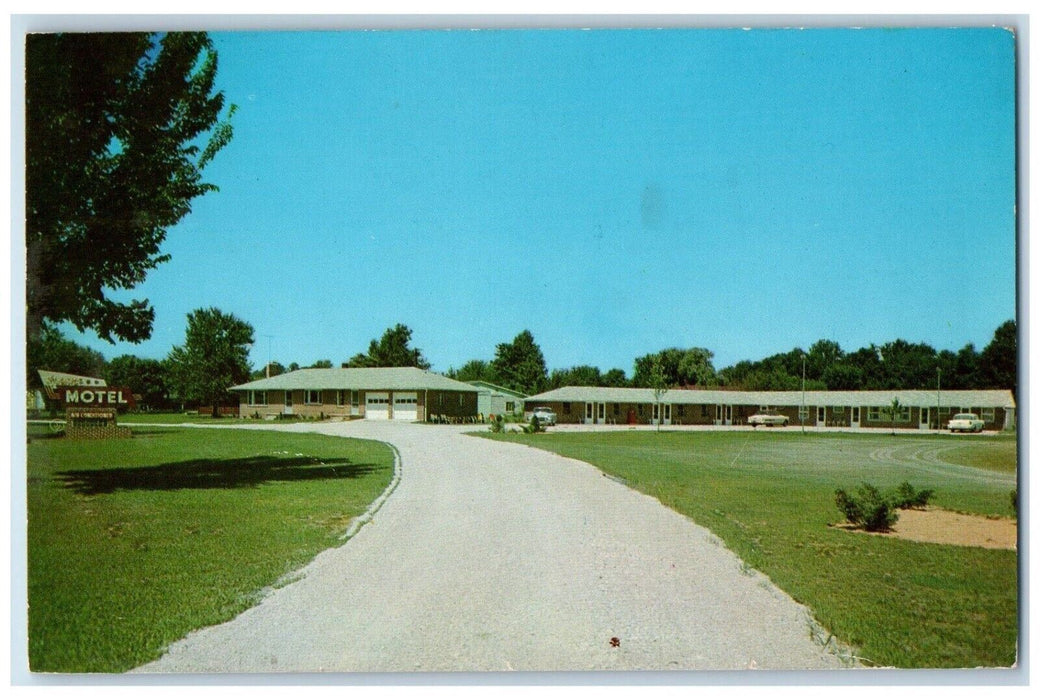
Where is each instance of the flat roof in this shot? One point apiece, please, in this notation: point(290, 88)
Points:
point(996, 398)
point(358, 378)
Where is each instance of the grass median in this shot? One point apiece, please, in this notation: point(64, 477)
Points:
point(769, 495)
point(133, 543)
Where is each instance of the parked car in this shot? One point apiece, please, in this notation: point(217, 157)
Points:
point(545, 416)
point(965, 423)
point(768, 419)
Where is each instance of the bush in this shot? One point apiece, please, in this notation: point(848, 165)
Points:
point(867, 509)
point(907, 497)
point(1014, 501)
point(496, 424)
point(535, 426)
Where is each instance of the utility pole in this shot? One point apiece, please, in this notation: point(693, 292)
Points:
point(268, 371)
point(801, 413)
point(938, 399)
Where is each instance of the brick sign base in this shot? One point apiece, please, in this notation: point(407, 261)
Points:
point(96, 432)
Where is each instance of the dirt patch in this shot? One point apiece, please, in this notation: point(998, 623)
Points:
point(946, 527)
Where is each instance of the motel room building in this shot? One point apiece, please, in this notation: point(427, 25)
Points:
point(920, 409)
point(376, 393)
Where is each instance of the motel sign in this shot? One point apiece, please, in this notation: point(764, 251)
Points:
point(110, 397)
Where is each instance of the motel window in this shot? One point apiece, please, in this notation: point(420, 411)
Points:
point(705, 411)
point(314, 396)
point(566, 407)
point(883, 413)
point(944, 410)
point(838, 410)
point(803, 412)
point(988, 414)
point(257, 398)
point(354, 398)
point(617, 409)
point(680, 410)
point(339, 397)
point(510, 407)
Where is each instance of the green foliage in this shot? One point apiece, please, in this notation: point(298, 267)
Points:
point(908, 497)
point(689, 367)
point(144, 376)
point(116, 140)
point(497, 424)
point(1014, 501)
point(50, 350)
point(867, 508)
point(535, 426)
point(213, 358)
point(999, 359)
point(391, 350)
point(474, 371)
point(520, 365)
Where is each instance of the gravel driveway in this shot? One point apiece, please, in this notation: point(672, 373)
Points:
point(496, 557)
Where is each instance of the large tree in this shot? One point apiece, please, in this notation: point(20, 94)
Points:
point(214, 357)
point(473, 371)
point(391, 350)
point(520, 365)
point(119, 127)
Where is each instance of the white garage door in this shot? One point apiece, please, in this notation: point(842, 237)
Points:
point(377, 405)
point(406, 405)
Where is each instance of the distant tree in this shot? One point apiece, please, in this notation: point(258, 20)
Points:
point(520, 365)
point(293, 366)
point(145, 377)
point(615, 378)
point(842, 375)
point(214, 357)
point(473, 371)
point(52, 351)
point(582, 375)
point(119, 127)
point(271, 369)
point(907, 365)
point(322, 364)
point(999, 360)
point(680, 367)
point(391, 350)
point(966, 369)
point(822, 355)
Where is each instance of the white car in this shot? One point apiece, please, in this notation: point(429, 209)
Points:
point(545, 416)
point(769, 419)
point(965, 423)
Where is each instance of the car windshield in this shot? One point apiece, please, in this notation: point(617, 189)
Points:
point(964, 416)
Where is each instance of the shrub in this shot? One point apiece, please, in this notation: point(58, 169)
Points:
point(907, 497)
point(496, 424)
point(535, 426)
point(867, 509)
point(1014, 501)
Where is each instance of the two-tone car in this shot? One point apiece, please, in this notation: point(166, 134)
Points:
point(545, 415)
point(768, 419)
point(965, 423)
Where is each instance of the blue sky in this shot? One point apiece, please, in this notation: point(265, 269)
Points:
point(613, 191)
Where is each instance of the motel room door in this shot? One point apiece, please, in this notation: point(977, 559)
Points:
point(723, 414)
point(590, 416)
point(926, 418)
point(601, 413)
point(854, 416)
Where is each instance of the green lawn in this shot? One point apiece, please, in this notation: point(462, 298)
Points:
point(133, 543)
point(769, 495)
